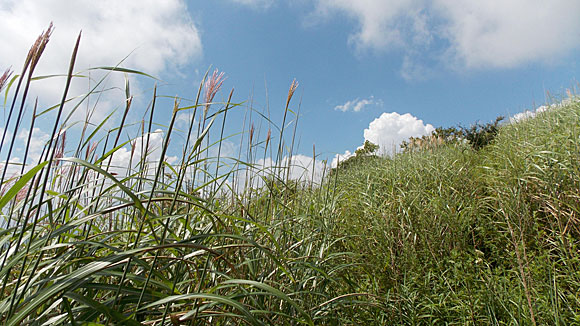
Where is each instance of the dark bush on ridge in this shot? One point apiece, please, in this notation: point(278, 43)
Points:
point(479, 135)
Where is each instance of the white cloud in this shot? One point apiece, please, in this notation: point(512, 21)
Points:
point(527, 114)
point(123, 156)
point(390, 129)
point(161, 34)
point(340, 158)
point(381, 23)
point(37, 143)
point(508, 33)
point(355, 105)
point(228, 150)
point(12, 170)
point(532, 113)
point(183, 119)
point(302, 168)
point(477, 34)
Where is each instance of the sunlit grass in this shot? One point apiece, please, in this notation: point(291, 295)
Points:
point(463, 236)
point(85, 241)
point(446, 236)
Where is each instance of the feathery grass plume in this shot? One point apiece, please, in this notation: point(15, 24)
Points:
point(59, 148)
point(38, 47)
point(4, 78)
point(90, 150)
point(35, 52)
point(21, 194)
point(212, 86)
point(31, 61)
point(291, 91)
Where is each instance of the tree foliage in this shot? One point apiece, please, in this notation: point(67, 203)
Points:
point(479, 135)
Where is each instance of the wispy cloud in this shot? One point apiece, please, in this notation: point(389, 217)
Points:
point(356, 105)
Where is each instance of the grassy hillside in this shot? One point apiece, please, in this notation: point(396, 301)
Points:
point(459, 236)
point(449, 235)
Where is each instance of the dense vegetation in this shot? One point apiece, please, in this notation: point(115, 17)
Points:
point(453, 234)
point(463, 236)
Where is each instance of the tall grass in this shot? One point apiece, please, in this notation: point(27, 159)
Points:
point(463, 236)
point(447, 236)
point(84, 241)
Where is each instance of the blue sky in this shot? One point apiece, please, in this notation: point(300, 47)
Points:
point(280, 41)
point(438, 63)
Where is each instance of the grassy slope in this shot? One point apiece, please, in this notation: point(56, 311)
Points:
point(453, 236)
point(458, 236)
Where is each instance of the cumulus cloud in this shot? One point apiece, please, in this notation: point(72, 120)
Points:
point(155, 35)
point(391, 129)
point(135, 152)
point(303, 168)
point(473, 34)
point(355, 105)
point(340, 158)
point(527, 114)
point(183, 119)
point(532, 113)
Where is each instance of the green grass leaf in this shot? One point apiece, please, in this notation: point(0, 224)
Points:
point(18, 185)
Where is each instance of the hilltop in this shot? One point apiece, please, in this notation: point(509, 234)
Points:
point(457, 235)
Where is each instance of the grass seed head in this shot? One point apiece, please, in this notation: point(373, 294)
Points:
point(21, 194)
point(291, 91)
point(39, 46)
point(212, 86)
point(4, 78)
point(268, 137)
point(251, 134)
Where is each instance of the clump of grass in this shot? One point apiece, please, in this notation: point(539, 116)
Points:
point(458, 235)
point(84, 241)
